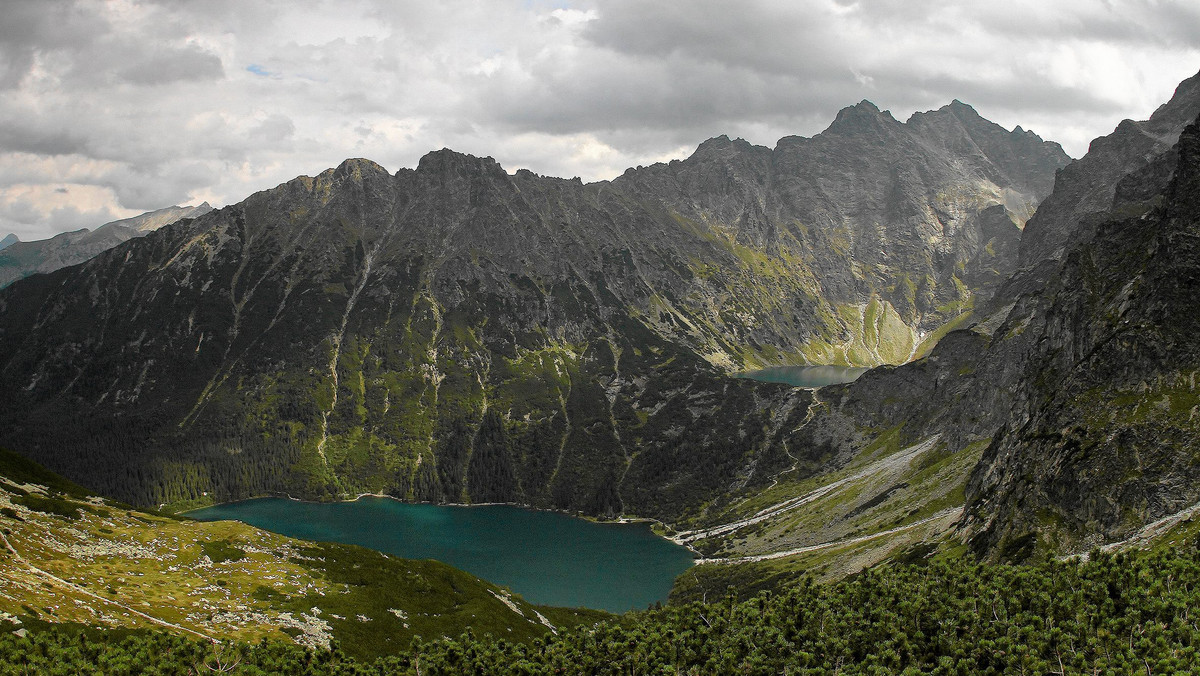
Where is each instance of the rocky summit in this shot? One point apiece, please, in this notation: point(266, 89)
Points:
point(1133, 162)
point(456, 333)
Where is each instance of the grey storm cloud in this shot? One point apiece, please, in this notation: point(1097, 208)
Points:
point(24, 217)
point(91, 48)
point(760, 58)
point(709, 66)
point(188, 64)
point(163, 186)
point(27, 136)
point(779, 38)
point(136, 104)
point(30, 27)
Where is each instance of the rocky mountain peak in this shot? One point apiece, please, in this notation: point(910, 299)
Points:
point(965, 117)
point(960, 108)
point(715, 142)
point(972, 120)
point(719, 147)
point(354, 169)
point(1180, 110)
point(1000, 156)
point(1085, 190)
point(964, 113)
point(862, 117)
point(1183, 194)
point(450, 162)
point(8, 240)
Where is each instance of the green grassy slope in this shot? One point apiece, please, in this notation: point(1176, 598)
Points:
point(69, 557)
point(1124, 613)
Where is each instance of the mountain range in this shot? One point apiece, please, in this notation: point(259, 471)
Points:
point(20, 259)
point(1059, 420)
point(456, 333)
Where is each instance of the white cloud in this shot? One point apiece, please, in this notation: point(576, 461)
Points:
point(136, 104)
point(25, 208)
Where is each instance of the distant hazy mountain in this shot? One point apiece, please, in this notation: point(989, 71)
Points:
point(456, 333)
point(8, 240)
point(21, 259)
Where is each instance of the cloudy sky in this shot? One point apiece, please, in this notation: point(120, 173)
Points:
point(108, 109)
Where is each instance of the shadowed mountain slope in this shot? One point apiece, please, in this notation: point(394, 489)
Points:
point(1103, 434)
point(456, 333)
point(1064, 420)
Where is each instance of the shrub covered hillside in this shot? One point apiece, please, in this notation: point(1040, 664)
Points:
point(1113, 614)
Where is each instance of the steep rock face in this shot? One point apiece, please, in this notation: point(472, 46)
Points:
point(449, 333)
point(456, 333)
point(8, 241)
point(1085, 189)
point(1103, 434)
point(920, 218)
point(1039, 378)
point(21, 259)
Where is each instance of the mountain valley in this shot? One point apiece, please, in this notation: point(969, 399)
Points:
point(456, 334)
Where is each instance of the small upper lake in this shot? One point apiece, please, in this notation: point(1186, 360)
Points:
point(807, 376)
point(547, 557)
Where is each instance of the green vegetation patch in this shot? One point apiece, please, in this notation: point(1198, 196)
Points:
point(382, 603)
point(49, 505)
point(220, 551)
point(931, 339)
point(1123, 613)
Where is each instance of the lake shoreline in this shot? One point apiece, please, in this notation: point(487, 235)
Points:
point(550, 557)
point(696, 554)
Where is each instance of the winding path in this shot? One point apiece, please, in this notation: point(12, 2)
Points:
point(891, 462)
point(954, 512)
point(80, 590)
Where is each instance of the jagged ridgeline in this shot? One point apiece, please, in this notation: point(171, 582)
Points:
point(1106, 413)
point(1067, 415)
point(456, 333)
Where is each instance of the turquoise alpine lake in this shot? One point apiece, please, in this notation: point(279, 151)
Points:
point(547, 557)
point(807, 376)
